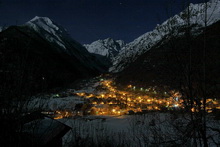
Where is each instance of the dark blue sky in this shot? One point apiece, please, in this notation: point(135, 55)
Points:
point(90, 20)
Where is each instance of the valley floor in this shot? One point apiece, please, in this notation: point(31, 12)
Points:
point(152, 129)
point(101, 115)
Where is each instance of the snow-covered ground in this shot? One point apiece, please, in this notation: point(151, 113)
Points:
point(152, 129)
point(53, 104)
point(56, 101)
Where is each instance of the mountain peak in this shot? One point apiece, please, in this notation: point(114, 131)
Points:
point(108, 39)
point(48, 29)
point(43, 21)
point(107, 47)
point(40, 18)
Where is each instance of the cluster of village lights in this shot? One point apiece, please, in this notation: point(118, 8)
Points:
point(117, 102)
point(112, 101)
point(120, 102)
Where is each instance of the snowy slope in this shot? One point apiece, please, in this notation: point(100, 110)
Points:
point(2, 28)
point(54, 104)
point(48, 29)
point(107, 47)
point(134, 49)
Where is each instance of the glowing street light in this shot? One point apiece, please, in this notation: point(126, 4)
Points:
point(176, 105)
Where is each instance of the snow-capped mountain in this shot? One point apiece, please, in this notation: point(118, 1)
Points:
point(107, 47)
point(170, 27)
point(59, 37)
point(49, 30)
point(2, 28)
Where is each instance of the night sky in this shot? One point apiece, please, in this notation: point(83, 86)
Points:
point(90, 20)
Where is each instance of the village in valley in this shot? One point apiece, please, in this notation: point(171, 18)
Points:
point(105, 99)
point(110, 73)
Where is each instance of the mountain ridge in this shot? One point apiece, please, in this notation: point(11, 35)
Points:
point(143, 43)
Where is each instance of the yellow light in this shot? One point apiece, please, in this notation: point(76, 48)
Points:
point(113, 110)
point(81, 94)
point(58, 117)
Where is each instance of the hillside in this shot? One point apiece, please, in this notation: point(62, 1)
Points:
point(167, 65)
